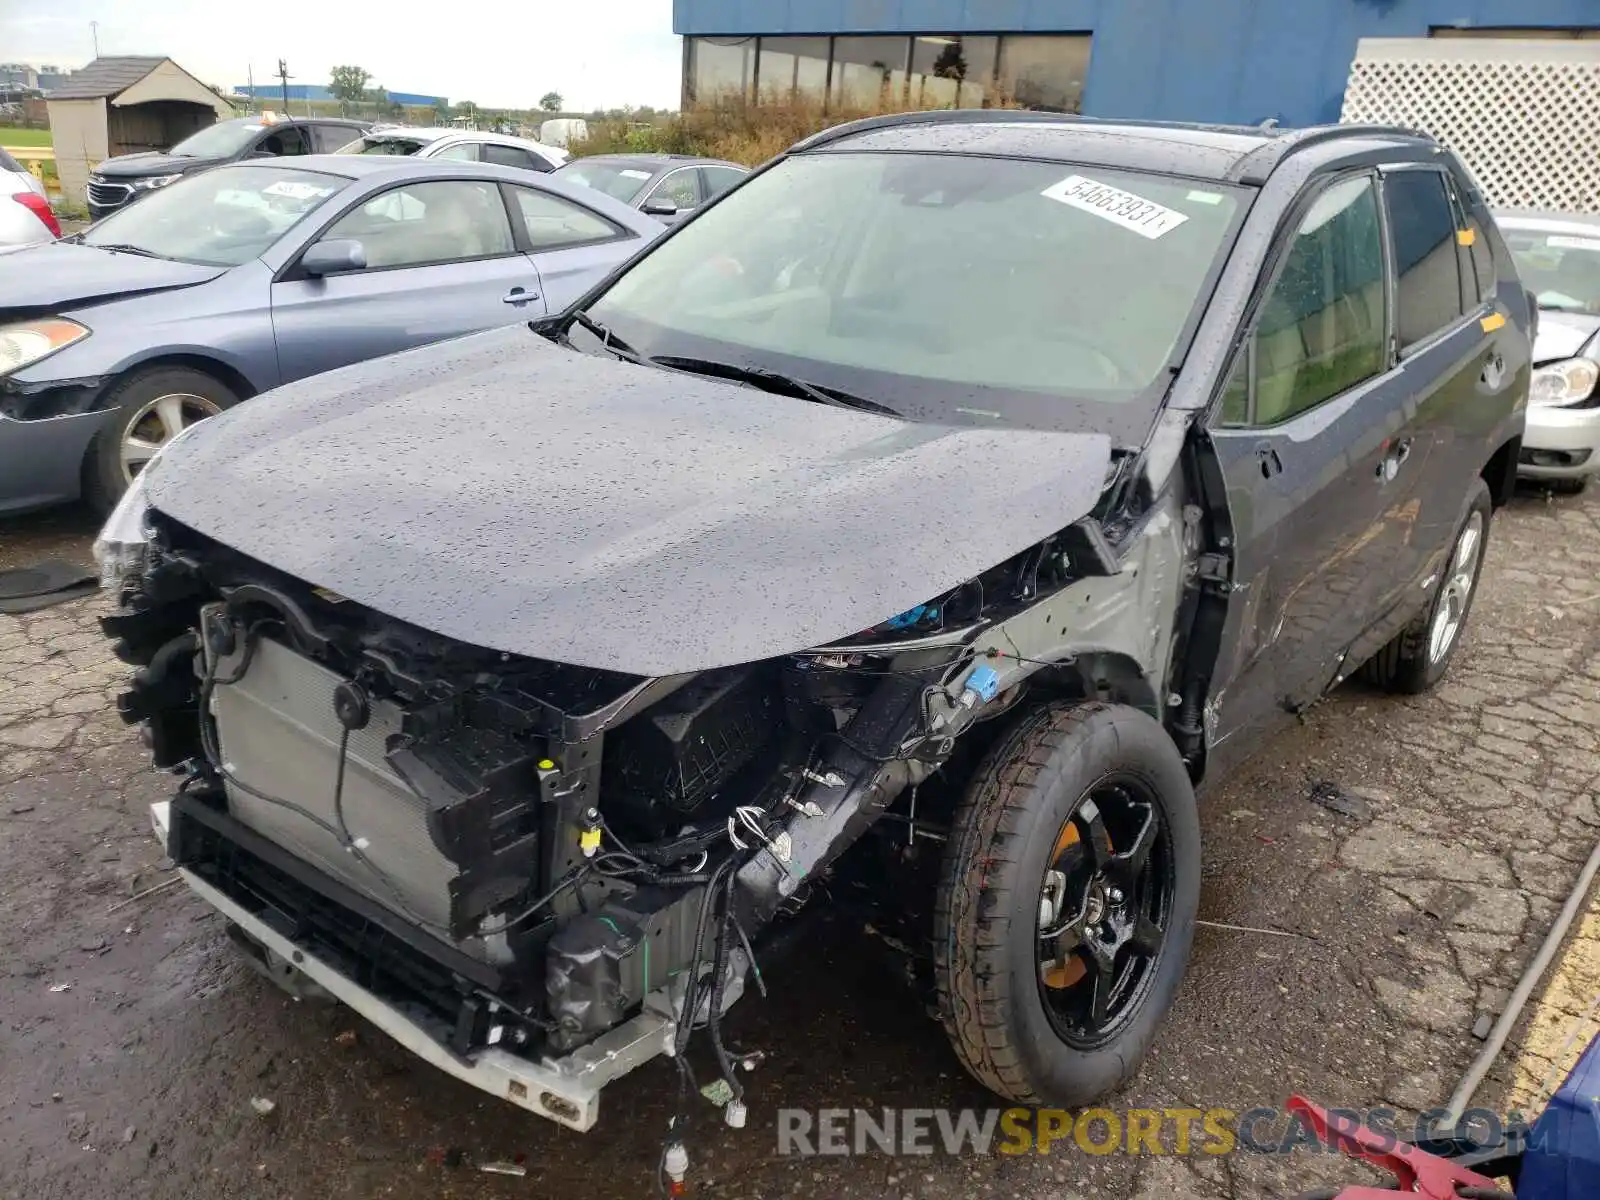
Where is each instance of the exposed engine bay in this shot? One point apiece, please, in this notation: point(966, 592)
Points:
point(570, 866)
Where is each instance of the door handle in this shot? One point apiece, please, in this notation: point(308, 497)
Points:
point(519, 296)
point(1269, 462)
point(1494, 370)
point(1399, 451)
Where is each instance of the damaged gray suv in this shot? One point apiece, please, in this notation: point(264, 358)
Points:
point(994, 477)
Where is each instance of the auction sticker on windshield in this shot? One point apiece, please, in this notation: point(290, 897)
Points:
point(1144, 217)
point(295, 190)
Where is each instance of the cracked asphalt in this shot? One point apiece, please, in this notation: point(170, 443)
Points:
point(1347, 955)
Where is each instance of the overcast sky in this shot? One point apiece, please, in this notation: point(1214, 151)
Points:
point(504, 54)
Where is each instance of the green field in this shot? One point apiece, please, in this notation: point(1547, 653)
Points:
point(24, 137)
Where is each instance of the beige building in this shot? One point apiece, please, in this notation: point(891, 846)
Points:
point(124, 105)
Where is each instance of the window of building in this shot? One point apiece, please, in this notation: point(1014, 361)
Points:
point(953, 71)
point(721, 67)
point(930, 70)
point(1323, 329)
point(869, 71)
point(1428, 274)
point(1044, 72)
point(1519, 32)
point(793, 66)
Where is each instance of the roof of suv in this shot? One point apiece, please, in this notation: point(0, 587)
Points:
point(1225, 153)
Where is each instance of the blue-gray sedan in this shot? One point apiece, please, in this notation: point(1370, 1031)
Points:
point(242, 278)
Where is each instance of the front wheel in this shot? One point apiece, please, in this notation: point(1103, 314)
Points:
point(1067, 904)
point(152, 407)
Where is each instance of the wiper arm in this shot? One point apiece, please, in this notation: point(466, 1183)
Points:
point(773, 381)
point(608, 340)
point(123, 248)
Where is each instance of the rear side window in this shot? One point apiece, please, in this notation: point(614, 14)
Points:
point(1428, 275)
point(1465, 236)
point(1482, 255)
point(460, 152)
point(326, 139)
point(554, 223)
point(719, 180)
point(513, 156)
point(1322, 329)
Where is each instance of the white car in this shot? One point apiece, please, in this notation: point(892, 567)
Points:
point(25, 216)
point(468, 145)
point(1558, 258)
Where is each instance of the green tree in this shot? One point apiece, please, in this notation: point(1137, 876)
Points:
point(550, 102)
point(348, 85)
point(468, 111)
point(441, 112)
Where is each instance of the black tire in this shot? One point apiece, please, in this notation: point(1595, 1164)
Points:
point(1569, 487)
point(1405, 666)
point(104, 480)
point(987, 967)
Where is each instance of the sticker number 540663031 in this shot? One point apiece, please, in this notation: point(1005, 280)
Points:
point(1135, 213)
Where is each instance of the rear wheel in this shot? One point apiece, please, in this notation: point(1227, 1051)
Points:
point(152, 407)
point(1420, 654)
point(1067, 905)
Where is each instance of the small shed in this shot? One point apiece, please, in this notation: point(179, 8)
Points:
point(123, 105)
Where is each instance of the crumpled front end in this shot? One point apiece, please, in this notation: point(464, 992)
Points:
point(539, 875)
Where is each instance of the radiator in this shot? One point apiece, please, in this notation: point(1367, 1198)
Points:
point(277, 734)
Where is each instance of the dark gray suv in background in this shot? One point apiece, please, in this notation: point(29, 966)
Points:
point(994, 477)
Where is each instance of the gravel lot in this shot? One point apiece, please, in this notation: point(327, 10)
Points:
point(1412, 918)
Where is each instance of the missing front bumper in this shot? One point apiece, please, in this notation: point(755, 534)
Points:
point(565, 1090)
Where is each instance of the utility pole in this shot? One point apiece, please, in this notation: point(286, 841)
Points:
point(283, 78)
point(94, 32)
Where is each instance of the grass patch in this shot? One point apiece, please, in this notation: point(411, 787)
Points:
point(732, 128)
point(11, 136)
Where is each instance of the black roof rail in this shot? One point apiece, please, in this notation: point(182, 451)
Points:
point(1256, 166)
point(1006, 116)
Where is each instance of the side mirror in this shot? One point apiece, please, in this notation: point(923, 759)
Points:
point(659, 206)
point(333, 257)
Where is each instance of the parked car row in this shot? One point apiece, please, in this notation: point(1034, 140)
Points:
point(460, 145)
point(996, 477)
point(119, 181)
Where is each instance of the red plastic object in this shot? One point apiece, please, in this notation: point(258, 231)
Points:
point(1416, 1173)
point(40, 207)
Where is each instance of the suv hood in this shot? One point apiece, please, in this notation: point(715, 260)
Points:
point(1563, 334)
point(59, 276)
point(530, 499)
point(139, 166)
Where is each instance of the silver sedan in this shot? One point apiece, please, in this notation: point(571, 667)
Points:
point(1558, 258)
point(238, 279)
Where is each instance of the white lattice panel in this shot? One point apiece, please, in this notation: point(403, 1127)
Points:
point(1523, 115)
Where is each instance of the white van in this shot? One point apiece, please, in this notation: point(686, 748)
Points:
point(563, 131)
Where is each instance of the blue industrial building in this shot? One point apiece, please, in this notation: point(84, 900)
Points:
point(1240, 61)
point(316, 91)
